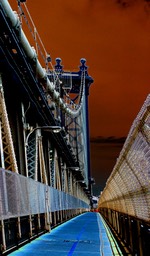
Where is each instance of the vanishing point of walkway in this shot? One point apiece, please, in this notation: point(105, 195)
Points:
point(83, 235)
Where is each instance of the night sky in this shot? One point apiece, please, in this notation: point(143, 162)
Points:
point(114, 37)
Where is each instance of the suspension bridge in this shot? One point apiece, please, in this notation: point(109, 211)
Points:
point(45, 177)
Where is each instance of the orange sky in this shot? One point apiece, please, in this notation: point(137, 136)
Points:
point(115, 40)
point(116, 43)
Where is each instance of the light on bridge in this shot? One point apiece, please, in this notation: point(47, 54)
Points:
point(54, 129)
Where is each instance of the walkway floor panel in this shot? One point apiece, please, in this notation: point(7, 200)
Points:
point(81, 236)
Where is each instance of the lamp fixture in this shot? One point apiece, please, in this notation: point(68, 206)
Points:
point(54, 129)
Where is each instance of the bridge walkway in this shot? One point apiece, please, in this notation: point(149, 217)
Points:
point(83, 235)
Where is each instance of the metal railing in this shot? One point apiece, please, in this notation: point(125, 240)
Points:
point(21, 196)
point(125, 201)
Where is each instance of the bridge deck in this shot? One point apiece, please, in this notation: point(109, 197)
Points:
point(82, 235)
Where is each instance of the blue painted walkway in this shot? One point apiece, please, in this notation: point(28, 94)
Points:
point(81, 236)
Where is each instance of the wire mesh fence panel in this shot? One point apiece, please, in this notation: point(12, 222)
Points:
point(21, 196)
